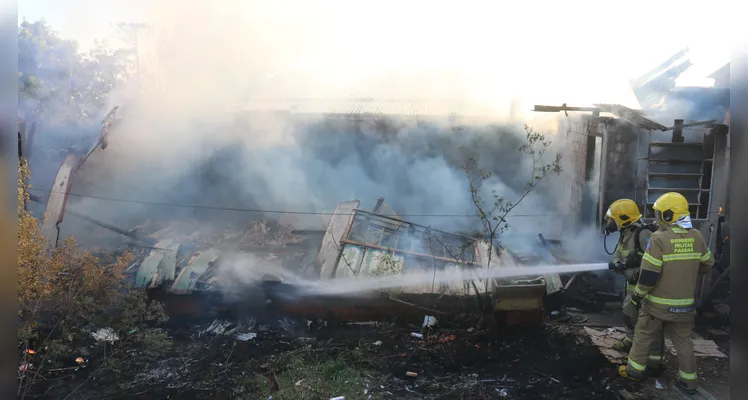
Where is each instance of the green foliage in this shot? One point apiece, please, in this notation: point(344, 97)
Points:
point(65, 294)
point(59, 85)
point(308, 376)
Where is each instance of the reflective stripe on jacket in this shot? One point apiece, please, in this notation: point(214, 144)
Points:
point(672, 262)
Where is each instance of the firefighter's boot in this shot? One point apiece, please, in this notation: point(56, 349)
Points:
point(684, 387)
point(623, 372)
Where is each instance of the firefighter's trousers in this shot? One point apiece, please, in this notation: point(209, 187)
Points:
point(650, 323)
point(657, 348)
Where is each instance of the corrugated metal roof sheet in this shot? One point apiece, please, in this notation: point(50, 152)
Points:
point(721, 72)
point(632, 116)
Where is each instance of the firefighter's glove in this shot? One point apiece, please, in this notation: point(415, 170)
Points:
point(616, 266)
point(636, 300)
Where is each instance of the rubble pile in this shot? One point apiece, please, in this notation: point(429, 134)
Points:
point(182, 256)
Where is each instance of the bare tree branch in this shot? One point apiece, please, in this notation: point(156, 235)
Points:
point(494, 216)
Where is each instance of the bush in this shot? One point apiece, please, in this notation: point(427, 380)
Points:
point(64, 295)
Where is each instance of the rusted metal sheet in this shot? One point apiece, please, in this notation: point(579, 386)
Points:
point(58, 197)
point(189, 275)
point(330, 251)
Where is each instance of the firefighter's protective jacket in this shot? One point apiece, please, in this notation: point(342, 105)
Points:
point(672, 262)
point(627, 248)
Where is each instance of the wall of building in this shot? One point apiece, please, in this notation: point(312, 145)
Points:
point(618, 170)
point(582, 134)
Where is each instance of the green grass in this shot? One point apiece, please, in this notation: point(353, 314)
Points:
point(310, 376)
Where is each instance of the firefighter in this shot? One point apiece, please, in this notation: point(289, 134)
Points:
point(675, 256)
point(624, 216)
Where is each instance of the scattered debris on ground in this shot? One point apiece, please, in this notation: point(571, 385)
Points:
point(554, 340)
point(604, 339)
point(368, 362)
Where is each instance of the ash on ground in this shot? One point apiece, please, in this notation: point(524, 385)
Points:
point(306, 359)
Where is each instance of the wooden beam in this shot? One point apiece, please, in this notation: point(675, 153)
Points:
point(708, 124)
point(541, 108)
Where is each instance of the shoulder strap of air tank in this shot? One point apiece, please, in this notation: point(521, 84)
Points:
point(638, 231)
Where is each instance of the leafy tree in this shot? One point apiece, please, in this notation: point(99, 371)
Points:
point(57, 84)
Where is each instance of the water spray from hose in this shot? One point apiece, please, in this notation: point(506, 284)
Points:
point(362, 285)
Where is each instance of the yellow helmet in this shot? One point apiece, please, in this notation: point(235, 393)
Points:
point(670, 207)
point(624, 212)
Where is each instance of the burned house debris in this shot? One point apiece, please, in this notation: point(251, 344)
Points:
point(75, 157)
point(198, 272)
point(226, 275)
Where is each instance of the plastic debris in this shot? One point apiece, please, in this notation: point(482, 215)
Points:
point(245, 336)
point(24, 367)
point(502, 392)
point(411, 374)
point(80, 360)
point(218, 327)
point(658, 385)
point(105, 335)
point(416, 335)
point(377, 343)
point(429, 321)
point(338, 398)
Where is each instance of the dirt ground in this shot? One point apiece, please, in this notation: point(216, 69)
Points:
point(292, 359)
point(368, 362)
point(714, 373)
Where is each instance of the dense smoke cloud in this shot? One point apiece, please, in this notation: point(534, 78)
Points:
point(417, 169)
point(179, 141)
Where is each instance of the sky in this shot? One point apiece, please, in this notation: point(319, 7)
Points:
point(572, 51)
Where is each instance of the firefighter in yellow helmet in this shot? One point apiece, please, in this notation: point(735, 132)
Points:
point(674, 258)
point(624, 216)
